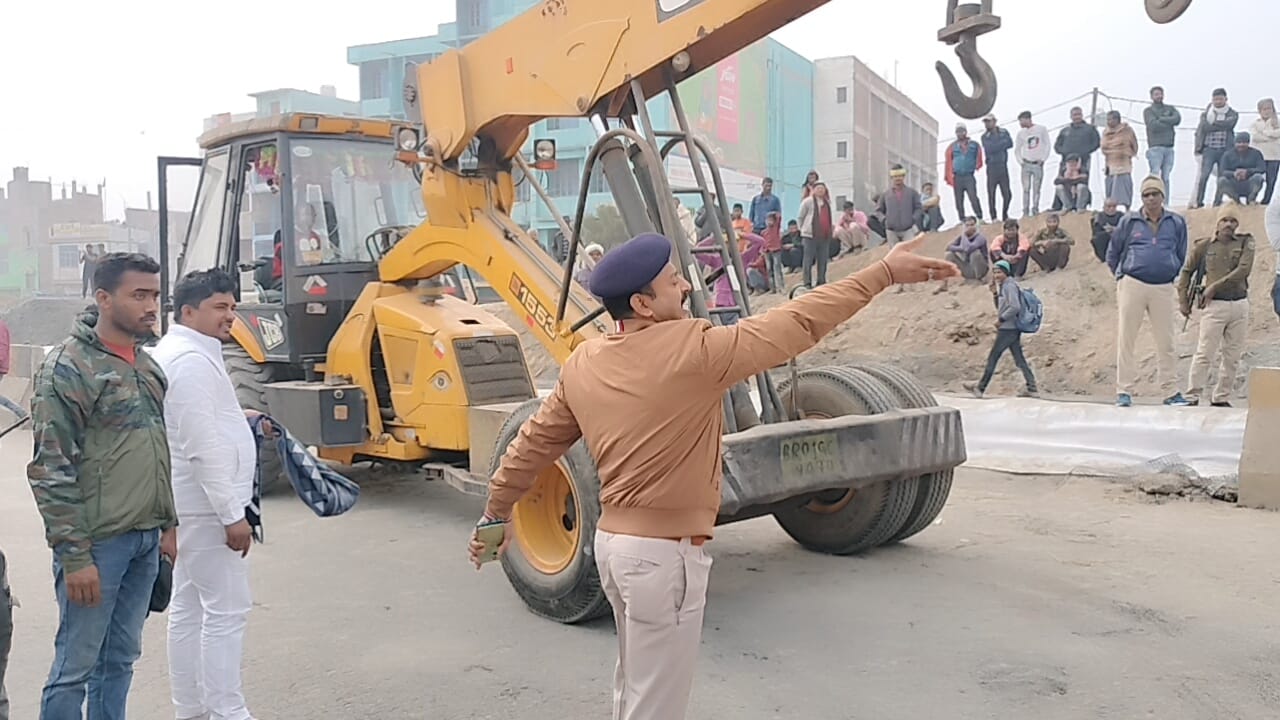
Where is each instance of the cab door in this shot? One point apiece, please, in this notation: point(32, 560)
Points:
point(251, 248)
point(202, 229)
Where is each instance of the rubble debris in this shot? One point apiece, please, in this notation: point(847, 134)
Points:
point(1170, 476)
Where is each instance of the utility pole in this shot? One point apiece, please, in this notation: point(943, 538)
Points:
point(1093, 120)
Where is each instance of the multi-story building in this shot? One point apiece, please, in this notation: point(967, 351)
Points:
point(42, 236)
point(23, 206)
point(755, 110)
point(47, 234)
point(863, 125)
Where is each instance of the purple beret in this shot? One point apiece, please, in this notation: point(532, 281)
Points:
point(631, 266)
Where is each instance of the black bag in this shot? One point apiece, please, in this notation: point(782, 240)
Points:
point(163, 589)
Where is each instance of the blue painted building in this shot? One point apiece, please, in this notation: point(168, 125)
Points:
point(755, 109)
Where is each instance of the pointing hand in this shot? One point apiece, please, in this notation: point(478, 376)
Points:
point(907, 267)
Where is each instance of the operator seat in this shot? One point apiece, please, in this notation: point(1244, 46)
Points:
point(270, 285)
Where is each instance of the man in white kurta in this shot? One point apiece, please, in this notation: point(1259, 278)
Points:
point(214, 460)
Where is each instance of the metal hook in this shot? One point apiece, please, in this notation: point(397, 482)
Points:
point(1166, 11)
point(980, 73)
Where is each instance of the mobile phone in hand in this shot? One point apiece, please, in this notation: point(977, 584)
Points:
point(492, 535)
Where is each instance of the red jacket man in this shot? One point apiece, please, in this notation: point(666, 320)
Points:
point(4, 348)
point(13, 407)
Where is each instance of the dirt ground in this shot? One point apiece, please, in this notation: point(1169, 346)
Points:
point(1051, 598)
point(945, 338)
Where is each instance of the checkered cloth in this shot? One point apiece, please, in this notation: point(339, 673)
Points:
point(324, 490)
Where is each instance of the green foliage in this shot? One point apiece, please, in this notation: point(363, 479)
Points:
point(605, 227)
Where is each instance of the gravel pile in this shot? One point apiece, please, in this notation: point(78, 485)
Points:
point(43, 321)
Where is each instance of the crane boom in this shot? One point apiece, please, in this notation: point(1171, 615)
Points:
point(570, 58)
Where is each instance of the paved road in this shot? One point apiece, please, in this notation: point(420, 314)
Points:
point(1033, 597)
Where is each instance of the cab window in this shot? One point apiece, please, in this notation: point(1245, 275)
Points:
point(343, 191)
point(259, 203)
point(201, 249)
point(258, 225)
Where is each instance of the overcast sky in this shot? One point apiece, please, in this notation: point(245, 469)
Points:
point(87, 103)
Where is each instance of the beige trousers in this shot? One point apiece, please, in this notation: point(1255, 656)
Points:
point(1225, 324)
point(851, 238)
point(658, 589)
point(1138, 300)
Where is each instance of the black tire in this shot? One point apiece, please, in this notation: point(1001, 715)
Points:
point(836, 522)
point(935, 488)
point(249, 379)
point(571, 594)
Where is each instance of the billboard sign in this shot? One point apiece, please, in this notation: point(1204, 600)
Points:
point(728, 108)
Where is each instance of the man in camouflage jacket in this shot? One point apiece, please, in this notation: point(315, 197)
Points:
point(100, 476)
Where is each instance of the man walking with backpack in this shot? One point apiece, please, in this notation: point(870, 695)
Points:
point(1146, 255)
point(1017, 311)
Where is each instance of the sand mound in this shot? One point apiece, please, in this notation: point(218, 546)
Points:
point(43, 321)
point(945, 338)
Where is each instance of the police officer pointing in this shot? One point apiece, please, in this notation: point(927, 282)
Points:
point(647, 400)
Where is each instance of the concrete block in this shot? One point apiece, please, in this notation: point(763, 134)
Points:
point(24, 360)
point(17, 389)
point(1260, 457)
point(485, 421)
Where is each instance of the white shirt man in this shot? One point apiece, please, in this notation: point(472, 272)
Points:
point(214, 456)
point(1031, 148)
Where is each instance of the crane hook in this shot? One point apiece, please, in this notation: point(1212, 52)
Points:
point(1166, 11)
point(965, 22)
point(980, 73)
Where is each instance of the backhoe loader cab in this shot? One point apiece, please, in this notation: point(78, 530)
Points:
point(301, 209)
point(291, 205)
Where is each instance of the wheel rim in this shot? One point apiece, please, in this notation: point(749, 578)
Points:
point(831, 501)
point(546, 522)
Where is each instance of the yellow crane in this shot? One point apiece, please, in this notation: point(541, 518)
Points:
point(354, 327)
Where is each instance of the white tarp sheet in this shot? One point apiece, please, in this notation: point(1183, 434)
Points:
point(1043, 437)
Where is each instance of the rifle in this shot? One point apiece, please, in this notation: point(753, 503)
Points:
point(14, 426)
point(1197, 288)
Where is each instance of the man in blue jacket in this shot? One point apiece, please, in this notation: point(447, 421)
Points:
point(996, 143)
point(963, 161)
point(1146, 255)
point(763, 204)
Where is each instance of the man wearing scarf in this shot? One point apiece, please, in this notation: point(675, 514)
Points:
point(1213, 140)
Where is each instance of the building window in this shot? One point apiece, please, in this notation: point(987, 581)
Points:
point(841, 200)
point(68, 256)
point(471, 16)
point(564, 181)
point(373, 80)
point(842, 150)
point(598, 182)
point(562, 123)
point(842, 95)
